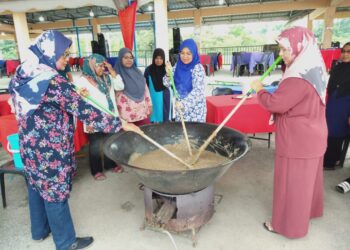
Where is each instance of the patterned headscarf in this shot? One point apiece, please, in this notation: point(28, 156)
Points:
point(103, 82)
point(134, 81)
point(183, 72)
point(33, 76)
point(307, 63)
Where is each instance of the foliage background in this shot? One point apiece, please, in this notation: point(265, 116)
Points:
point(224, 35)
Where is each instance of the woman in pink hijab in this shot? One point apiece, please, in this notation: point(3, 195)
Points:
point(298, 106)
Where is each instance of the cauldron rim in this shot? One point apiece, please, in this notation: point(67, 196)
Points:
point(223, 164)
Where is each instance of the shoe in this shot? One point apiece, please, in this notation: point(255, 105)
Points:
point(99, 176)
point(328, 167)
point(81, 243)
point(43, 238)
point(267, 225)
point(118, 169)
point(343, 187)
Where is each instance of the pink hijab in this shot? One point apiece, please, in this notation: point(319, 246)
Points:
point(308, 63)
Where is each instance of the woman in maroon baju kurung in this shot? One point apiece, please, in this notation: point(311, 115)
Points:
point(298, 106)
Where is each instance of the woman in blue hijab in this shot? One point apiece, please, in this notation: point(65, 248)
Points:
point(45, 104)
point(189, 82)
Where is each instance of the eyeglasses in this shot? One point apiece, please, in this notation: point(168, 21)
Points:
point(66, 54)
point(100, 65)
point(345, 51)
point(128, 57)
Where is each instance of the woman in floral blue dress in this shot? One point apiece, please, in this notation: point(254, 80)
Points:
point(189, 82)
point(45, 104)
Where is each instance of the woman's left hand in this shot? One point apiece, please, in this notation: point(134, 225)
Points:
point(110, 69)
point(256, 85)
point(83, 92)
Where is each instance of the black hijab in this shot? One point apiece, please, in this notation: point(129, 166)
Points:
point(339, 80)
point(157, 72)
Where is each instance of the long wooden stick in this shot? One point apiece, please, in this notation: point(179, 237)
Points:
point(228, 117)
point(164, 149)
point(141, 134)
point(181, 115)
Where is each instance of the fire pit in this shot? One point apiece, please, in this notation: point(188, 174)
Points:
point(178, 200)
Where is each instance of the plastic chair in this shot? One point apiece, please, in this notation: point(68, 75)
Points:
point(221, 91)
point(8, 168)
point(263, 65)
point(2, 67)
point(240, 66)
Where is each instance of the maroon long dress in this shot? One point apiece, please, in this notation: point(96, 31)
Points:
point(301, 140)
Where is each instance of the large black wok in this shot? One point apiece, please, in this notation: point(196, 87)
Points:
point(121, 146)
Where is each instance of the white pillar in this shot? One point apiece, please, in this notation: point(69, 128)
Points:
point(197, 28)
point(22, 33)
point(328, 27)
point(161, 26)
point(96, 28)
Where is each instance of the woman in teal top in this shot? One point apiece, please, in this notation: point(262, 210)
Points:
point(160, 95)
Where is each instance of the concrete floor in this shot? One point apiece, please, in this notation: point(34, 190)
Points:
point(112, 211)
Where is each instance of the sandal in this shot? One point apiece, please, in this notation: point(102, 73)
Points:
point(118, 169)
point(343, 187)
point(141, 187)
point(99, 176)
point(267, 225)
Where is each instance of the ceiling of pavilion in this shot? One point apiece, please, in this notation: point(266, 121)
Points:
point(173, 5)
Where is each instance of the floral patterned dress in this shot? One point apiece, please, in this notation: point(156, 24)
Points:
point(194, 104)
point(132, 111)
point(46, 137)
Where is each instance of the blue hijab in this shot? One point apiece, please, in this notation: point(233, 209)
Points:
point(183, 72)
point(33, 76)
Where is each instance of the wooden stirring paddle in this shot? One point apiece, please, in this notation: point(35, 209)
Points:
point(194, 159)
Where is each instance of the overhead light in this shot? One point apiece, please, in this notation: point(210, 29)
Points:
point(91, 13)
point(41, 19)
point(221, 2)
point(3, 33)
point(150, 8)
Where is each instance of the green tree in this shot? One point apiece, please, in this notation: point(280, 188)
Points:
point(8, 50)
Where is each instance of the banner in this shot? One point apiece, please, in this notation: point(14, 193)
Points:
point(127, 18)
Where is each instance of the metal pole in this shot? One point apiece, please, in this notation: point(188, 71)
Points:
point(77, 34)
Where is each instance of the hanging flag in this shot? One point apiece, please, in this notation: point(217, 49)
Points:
point(127, 19)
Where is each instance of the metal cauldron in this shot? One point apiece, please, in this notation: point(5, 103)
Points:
point(122, 145)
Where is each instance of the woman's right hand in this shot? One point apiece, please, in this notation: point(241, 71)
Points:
point(131, 127)
point(168, 69)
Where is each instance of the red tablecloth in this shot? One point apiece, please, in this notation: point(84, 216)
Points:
point(11, 66)
point(250, 118)
point(8, 126)
point(329, 55)
point(5, 108)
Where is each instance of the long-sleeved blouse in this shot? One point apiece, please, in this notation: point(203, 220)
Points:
point(46, 138)
point(194, 104)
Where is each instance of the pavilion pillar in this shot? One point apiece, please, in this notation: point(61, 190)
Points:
point(161, 26)
point(328, 27)
point(309, 23)
point(22, 34)
point(197, 28)
point(96, 28)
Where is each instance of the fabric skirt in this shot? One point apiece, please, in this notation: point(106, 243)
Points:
point(297, 195)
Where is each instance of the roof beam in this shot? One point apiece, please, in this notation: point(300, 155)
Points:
point(252, 8)
point(205, 12)
point(316, 13)
point(340, 3)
